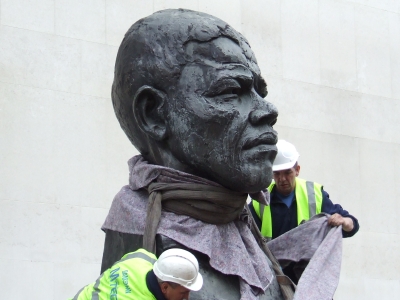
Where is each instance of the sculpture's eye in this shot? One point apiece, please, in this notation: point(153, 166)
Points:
point(224, 87)
point(231, 91)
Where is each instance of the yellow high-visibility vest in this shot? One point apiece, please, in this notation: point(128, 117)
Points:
point(126, 279)
point(308, 200)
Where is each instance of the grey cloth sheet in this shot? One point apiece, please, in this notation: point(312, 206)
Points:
point(231, 247)
point(320, 244)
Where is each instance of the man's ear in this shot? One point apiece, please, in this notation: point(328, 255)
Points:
point(164, 287)
point(147, 107)
point(297, 170)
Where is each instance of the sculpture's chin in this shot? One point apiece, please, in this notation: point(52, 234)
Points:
point(249, 182)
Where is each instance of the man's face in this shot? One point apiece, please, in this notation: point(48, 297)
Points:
point(285, 180)
point(177, 292)
point(219, 124)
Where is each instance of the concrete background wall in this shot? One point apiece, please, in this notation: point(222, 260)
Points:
point(333, 71)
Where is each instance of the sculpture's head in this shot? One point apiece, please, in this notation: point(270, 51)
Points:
point(189, 95)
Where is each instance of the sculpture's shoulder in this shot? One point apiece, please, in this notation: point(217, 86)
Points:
point(127, 205)
point(126, 196)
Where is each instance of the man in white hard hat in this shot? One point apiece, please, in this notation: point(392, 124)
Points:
point(294, 200)
point(139, 275)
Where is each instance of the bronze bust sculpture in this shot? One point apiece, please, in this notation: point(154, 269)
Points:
point(189, 95)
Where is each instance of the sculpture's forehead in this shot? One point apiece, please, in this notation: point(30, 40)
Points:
point(222, 52)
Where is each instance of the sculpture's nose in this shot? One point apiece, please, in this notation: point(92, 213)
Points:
point(264, 112)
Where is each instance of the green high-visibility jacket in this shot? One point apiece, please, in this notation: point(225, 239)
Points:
point(126, 279)
point(308, 199)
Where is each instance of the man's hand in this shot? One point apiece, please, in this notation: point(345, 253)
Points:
point(336, 220)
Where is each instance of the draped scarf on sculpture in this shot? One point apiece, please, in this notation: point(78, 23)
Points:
point(228, 242)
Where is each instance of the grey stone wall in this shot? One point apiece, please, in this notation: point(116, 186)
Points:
point(333, 71)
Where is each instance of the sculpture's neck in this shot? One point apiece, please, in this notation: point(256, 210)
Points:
point(163, 157)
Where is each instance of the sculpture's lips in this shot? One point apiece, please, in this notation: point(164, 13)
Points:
point(267, 138)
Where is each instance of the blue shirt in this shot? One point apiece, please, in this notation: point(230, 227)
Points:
point(287, 200)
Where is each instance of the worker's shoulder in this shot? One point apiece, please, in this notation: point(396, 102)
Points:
point(140, 253)
point(306, 182)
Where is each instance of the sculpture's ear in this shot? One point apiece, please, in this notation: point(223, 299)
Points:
point(147, 109)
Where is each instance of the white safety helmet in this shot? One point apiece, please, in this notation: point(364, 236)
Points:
point(287, 156)
point(179, 266)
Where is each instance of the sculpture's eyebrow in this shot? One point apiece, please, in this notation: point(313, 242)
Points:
point(260, 86)
point(237, 72)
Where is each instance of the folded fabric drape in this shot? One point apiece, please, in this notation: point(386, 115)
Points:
point(230, 246)
point(210, 204)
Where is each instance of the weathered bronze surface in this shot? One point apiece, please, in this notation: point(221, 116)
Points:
point(189, 95)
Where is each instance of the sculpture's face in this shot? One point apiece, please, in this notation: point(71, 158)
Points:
point(218, 123)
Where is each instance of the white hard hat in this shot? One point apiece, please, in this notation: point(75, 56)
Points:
point(179, 266)
point(287, 156)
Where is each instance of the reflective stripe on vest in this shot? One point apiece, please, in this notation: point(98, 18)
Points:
point(79, 293)
point(138, 255)
point(308, 200)
point(126, 279)
point(96, 290)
